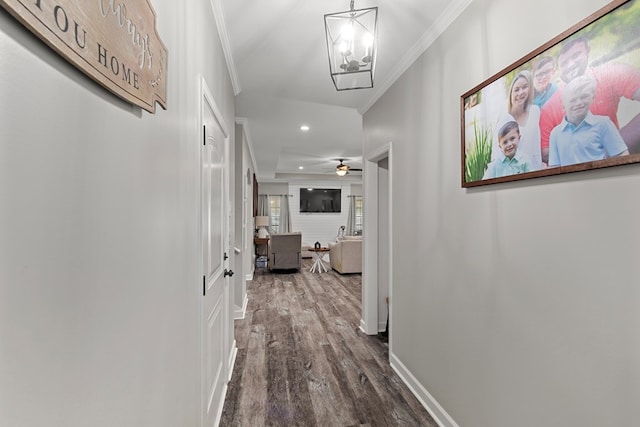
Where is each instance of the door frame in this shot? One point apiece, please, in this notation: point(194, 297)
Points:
point(370, 279)
point(228, 344)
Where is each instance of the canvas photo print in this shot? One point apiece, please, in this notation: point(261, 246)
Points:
point(571, 105)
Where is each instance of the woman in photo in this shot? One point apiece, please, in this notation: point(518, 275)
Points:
point(527, 115)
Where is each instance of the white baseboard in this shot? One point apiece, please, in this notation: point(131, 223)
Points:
point(232, 359)
point(230, 364)
point(221, 405)
point(362, 326)
point(431, 405)
point(240, 312)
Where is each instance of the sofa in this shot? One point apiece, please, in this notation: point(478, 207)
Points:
point(285, 251)
point(345, 255)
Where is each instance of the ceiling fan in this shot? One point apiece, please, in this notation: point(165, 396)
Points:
point(342, 169)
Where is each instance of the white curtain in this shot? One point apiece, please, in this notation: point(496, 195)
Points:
point(264, 209)
point(263, 205)
point(285, 215)
point(351, 217)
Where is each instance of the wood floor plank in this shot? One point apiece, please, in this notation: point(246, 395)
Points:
point(407, 410)
point(303, 360)
point(253, 395)
point(329, 403)
point(331, 406)
point(232, 401)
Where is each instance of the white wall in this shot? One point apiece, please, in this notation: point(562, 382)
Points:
point(318, 227)
point(272, 188)
point(513, 304)
point(99, 262)
point(315, 227)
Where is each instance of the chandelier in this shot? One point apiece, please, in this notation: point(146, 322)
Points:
point(351, 42)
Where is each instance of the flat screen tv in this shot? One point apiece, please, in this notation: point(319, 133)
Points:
point(323, 200)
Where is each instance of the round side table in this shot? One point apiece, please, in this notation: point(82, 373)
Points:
point(318, 265)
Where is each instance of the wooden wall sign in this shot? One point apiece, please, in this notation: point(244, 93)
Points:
point(115, 42)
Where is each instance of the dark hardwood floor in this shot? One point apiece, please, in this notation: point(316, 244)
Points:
point(303, 361)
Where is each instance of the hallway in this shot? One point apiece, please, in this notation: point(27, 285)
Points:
point(302, 359)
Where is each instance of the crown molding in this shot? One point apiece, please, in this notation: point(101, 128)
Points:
point(218, 14)
point(442, 23)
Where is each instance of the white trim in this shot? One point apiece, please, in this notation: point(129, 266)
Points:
point(390, 242)
point(428, 401)
point(218, 14)
point(232, 362)
point(205, 93)
point(369, 250)
point(221, 407)
point(241, 311)
point(202, 403)
point(362, 326)
point(244, 122)
point(205, 96)
point(455, 8)
point(369, 321)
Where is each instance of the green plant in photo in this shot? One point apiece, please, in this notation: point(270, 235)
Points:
point(479, 154)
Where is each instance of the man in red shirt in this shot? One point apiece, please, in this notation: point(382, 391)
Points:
point(614, 81)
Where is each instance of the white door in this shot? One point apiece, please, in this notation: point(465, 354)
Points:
point(215, 287)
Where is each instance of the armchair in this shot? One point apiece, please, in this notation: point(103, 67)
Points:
point(285, 251)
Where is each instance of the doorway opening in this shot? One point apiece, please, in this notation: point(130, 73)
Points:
point(377, 283)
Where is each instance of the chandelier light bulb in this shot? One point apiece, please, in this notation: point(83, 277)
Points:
point(367, 40)
point(344, 48)
point(347, 32)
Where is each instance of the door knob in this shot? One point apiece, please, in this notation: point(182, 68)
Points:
point(228, 273)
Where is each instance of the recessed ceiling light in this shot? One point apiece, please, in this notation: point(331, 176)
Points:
point(304, 128)
point(300, 167)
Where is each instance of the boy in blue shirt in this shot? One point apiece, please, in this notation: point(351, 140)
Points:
point(582, 136)
point(508, 163)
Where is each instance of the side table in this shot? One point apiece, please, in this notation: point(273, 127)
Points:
point(318, 265)
point(258, 242)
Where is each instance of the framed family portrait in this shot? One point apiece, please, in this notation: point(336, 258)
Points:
point(571, 105)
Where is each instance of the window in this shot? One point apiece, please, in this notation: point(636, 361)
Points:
point(274, 215)
point(359, 215)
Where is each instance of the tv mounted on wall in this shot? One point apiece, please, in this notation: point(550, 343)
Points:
point(324, 200)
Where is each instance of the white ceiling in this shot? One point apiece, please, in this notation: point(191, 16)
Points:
point(278, 62)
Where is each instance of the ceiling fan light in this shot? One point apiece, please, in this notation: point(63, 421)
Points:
point(342, 169)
